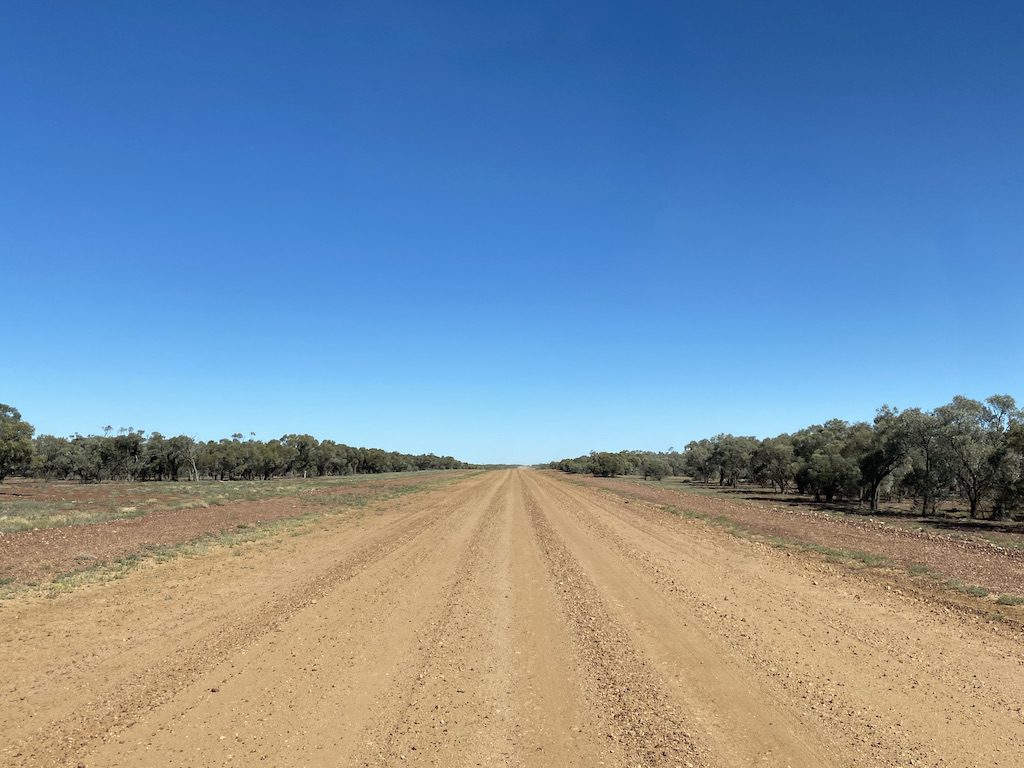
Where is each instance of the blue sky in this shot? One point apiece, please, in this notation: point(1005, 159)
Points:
point(507, 231)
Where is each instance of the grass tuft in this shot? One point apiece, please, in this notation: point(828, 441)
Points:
point(969, 589)
point(1010, 600)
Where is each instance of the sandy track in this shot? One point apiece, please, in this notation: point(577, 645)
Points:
point(509, 619)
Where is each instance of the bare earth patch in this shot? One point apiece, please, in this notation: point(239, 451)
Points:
point(1000, 570)
point(178, 514)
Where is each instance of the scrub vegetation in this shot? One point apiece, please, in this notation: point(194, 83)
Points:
point(968, 451)
point(131, 455)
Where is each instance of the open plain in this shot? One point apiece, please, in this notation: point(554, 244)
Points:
point(507, 618)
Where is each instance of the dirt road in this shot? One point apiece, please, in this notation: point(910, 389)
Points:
point(511, 618)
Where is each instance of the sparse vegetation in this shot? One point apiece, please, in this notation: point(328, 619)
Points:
point(130, 455)
point(315, 499)
point(966, 449)
point(1010, 600)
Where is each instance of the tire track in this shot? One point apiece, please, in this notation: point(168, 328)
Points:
point(742, 722)
point(442, 708)
point(558, 720)
point(110, 713)
point(304, 691)
point(511, 620)
point(643, 725)
point(855, 662)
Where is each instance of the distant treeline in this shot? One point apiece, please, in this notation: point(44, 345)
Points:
point(970, 450)
point(132, 455)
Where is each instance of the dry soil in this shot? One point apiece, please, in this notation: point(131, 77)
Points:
point(511, 618)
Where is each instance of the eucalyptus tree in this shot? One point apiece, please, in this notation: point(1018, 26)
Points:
point(885, 448)
point(700, 460)
point(929, 477)
point(731, 457)
point(88, 460)
point(53, 457)
point(773, 462)
point(977, 437)
point(15, 441)
point(654, 468)
point(604, 464)
point(827, 455)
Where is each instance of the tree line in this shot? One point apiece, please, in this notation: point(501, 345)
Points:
point(132, 455)
point(967, 449)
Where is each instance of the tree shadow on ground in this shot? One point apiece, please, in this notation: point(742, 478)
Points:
point(950, 520)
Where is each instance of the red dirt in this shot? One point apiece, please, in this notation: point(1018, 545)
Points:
point(513, 618)
point(970, 562)
point(40, 555)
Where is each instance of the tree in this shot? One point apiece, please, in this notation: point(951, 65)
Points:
point(976, 436)
point(177, 455)
point(928, 474)
point(699, 459)
point(832, 474)
point(655, 468)
point(15, 440)
point(773, 462)
point(87, 458)
point(129, 453)
point(884, 448)
point(826, 459)
point(53, 457)
point(1012, 492)
point(303, 449)
point(731, 455)
point(605, 464)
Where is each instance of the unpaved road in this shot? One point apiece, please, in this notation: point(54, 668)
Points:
point(972, 561)
point(512, 618)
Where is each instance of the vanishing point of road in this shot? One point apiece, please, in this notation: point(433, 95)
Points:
point(511, 618)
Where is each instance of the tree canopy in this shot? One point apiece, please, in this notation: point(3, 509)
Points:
point(968, 449)
point(15, 441)
point(130, 454)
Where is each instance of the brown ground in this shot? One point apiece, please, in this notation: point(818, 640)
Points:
point(512, 618)
point(45, 553)
point(969, 562)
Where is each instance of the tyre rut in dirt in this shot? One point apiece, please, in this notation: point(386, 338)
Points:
point(440, 709)
point(117, 709)
point(642, 721)
point(852, 659)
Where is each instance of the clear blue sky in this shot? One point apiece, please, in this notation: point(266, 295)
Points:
point(507, 231)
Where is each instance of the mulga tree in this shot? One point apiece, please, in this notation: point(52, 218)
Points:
point(128, 451)
point(1012, 493)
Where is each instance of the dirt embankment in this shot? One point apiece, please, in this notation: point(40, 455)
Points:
point(510, 619)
